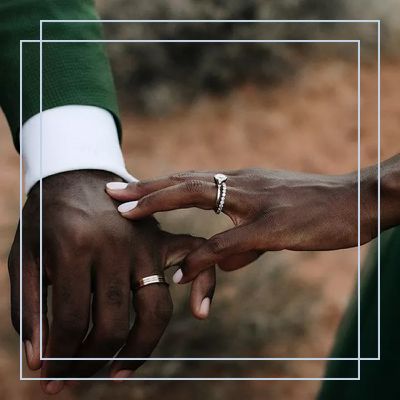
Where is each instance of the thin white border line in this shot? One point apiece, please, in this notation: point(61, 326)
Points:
point(220, 359)
point(191, 41)
point(199, 41)
point(211, 21)
point(20, 211)
point(379, 190)
point(209, 359)
point(200, 358)
point(358, 206)
point(41, 189)
point(192, 379)
point(278, 21)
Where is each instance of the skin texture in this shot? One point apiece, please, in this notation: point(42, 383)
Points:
point(271, 210)
point(89, 251)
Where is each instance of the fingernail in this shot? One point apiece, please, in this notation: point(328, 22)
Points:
point(54, 387)
point(125, 207)
point(177, 276)
point(205, 307)
point(123, 373)
point(117, 185)
point(29, 351)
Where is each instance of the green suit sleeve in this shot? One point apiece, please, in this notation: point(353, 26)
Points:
point(72, 73)
point(379, 379)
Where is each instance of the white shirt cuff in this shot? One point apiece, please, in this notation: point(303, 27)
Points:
point(74, 137)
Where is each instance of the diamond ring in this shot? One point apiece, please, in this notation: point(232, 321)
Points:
point(220, 181)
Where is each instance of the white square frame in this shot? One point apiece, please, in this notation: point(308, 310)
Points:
point(41, 41)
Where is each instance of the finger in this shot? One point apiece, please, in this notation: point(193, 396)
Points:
point(192, 193)
point(111, 303)
point(240, 239)
point(237, 261)
point(132, 191)
point(203, 287)
point(30, 302)
point(153, 306)
point(177, 246)
point(71, 312)
point(202, 293)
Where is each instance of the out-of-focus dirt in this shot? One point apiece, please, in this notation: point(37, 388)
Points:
point(287, 304)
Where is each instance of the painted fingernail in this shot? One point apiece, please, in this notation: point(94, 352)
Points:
point(177, 276)
point(125, 207)
point(205, 307)
point(117, 185)
point(29, 351)
point(123, 373)
point(53, 387)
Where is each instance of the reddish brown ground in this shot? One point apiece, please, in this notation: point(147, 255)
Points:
point(309, 124)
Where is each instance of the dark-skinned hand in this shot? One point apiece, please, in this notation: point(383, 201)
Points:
point(88, 248)
point(271, 210)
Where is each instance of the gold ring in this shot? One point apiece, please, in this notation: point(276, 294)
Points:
point(150, 280)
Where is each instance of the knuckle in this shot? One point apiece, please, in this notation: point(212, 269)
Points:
point(181, 176)
point(218, 244)
point(198, 241)
point(133, 186)
point(77, 232)
point(70, 325)
point(138, 188)
point(146, 202)
point(114, 294)
point(118, 234)
point(270, 219)
point(194, 186)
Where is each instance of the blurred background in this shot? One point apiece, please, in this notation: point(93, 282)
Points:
point(228, 106)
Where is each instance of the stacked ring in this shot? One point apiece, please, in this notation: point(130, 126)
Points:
point(220, 181)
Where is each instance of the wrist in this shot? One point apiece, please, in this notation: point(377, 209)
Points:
point(85, 180)
point(390, 192)
point(390, 180)
point(368, 204)
point(389, 196)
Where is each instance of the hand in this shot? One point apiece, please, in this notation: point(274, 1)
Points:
point(271, 210)
point(88, 247)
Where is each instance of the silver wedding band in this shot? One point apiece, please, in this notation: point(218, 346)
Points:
point(220, 181)
point(150, 280)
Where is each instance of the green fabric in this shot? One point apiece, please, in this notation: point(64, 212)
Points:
point(73, 73)
point(379, 379)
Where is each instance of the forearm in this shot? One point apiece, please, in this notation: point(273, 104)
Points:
point(389, 196)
